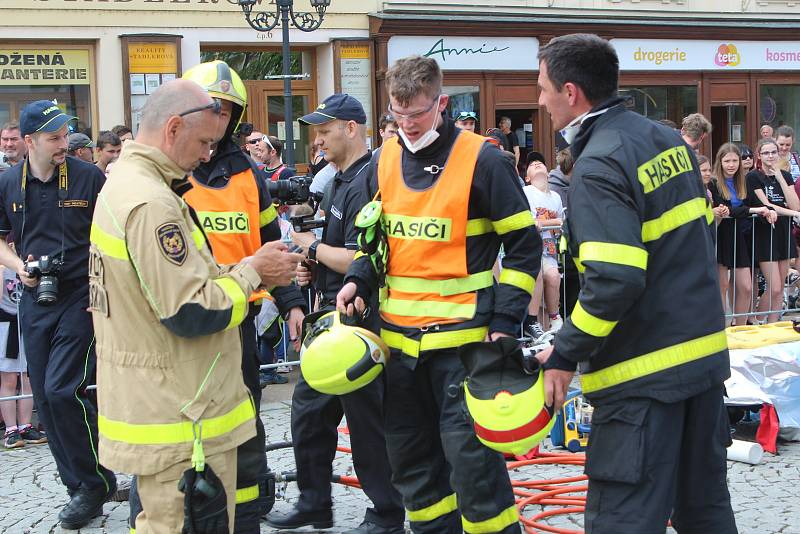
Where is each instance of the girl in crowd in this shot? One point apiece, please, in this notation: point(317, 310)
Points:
point(547, 208)
point(734, 234)
point(13, 370)
point(748, 160)
point(775, 246)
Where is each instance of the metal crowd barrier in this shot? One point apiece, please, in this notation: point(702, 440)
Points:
point(24, 395)
point(790, 286)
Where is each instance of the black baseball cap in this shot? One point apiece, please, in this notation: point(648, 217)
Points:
point(42, 116)
point(79, 140)
point(339, 106)
point(535, 156)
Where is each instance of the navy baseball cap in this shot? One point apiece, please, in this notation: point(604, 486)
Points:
point(339, 106)
point(42, 116)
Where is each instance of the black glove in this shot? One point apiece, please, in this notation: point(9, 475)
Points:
point(205, 504)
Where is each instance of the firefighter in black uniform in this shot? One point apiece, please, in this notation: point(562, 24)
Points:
point(223, 185)
point(340, 132)
point(648, 327)
point(47, 201)
point(449, 199)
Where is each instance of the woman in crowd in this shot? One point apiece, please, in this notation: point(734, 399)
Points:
point(548, 210)
point(734, 234)
point(775, 246)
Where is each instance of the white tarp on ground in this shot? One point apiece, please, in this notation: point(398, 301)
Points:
point(768, 374)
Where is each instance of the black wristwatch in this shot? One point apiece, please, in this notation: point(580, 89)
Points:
point(312, 250)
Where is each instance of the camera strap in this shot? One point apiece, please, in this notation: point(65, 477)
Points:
point(63, 186)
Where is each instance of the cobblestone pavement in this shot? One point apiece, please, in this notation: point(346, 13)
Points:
point(764, 496)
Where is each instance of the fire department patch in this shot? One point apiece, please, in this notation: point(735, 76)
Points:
point(172, 243)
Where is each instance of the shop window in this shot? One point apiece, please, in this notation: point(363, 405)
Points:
point(465, 98)
point(780, 105)
point(671, 102)
point(255, 65)
point(73, 99)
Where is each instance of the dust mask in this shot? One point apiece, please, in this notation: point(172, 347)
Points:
point(425, 139)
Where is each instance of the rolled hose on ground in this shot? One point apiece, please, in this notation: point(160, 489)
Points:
point(567, 493)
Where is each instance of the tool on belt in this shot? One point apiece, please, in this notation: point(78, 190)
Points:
point(372, 239)
point(205, 504)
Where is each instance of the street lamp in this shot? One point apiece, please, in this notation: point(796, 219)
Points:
point(265, 21)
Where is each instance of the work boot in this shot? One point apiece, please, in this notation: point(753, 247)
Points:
point(85, 505)
point(296, 519)
point(368, 527)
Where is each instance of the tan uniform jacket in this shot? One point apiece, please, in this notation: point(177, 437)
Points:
point(166, 318)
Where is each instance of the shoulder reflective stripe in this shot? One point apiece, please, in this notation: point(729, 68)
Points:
point(594, 326)
point(109, 245)
point(517, 221)
point(434, 340)
point(268, 215)
point(654, 362)
point(674, 218)
point(479, 227)
point(198, 238)
point(443, 507)
point(613, 253)
point(247, 494)
point(665, 166)
point(515, 278)
point(172, 433)
point(453, 286)
point(507, 517)
point(238, 298)
point(425, 308)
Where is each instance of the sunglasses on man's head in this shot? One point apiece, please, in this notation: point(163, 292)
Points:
point(215, 106)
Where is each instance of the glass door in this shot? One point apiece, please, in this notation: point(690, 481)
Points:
point(276, 124)
point(728, 123)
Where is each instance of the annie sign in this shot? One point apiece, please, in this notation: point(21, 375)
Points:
point(470, 53)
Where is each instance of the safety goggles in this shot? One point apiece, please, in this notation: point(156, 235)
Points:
point(412, 117)
point(464, 115)
point(215, 106)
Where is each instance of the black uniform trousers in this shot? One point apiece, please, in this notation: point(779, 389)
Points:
point(59, 346)
point(435, 453)
point(315, 418)
point(650, 461)
point(251, 466)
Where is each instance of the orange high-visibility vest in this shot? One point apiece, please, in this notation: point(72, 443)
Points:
point(229, 216)
point(426, 274)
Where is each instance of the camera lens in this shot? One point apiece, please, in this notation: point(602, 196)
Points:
point(47, 292)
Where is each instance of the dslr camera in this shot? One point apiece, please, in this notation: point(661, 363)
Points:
point(46, 269)
point(293, 191)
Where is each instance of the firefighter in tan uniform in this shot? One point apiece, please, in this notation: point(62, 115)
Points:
point(172, 400)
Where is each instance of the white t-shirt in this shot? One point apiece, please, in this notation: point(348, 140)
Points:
point(547, 205)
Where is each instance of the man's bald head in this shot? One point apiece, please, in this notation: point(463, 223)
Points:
point(172, 98)
point(186, 140)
